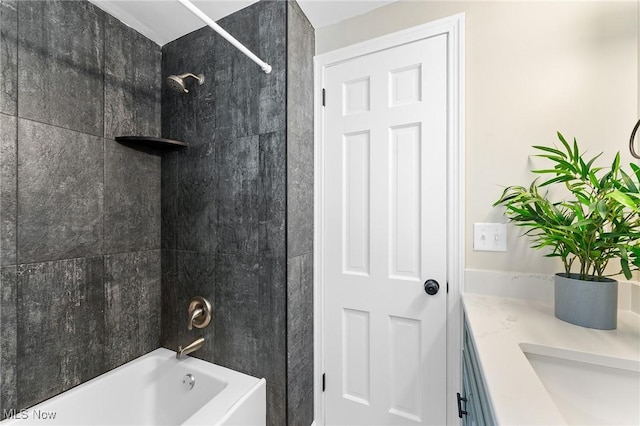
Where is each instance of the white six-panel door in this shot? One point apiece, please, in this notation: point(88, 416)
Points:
point(385, 209)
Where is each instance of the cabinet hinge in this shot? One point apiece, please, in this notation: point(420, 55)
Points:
point(324, 383)
point(324, 97)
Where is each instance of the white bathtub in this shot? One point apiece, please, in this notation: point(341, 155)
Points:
point(150, 391)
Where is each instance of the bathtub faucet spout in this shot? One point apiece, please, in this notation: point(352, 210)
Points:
point(191, 347)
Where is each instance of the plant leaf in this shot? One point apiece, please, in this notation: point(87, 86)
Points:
point(623, 199)
point(551, 150)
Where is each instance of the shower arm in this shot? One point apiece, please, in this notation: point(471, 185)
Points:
point(217, 28)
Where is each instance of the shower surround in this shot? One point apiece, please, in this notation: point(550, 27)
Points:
point(237, 204)
point(79, 213)
point(86, 224)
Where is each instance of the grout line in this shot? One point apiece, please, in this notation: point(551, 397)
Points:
point(90, 256)
point(104, 131)
point(286, 213)
point(60, 127)
point(17, 135)
point(17, 288)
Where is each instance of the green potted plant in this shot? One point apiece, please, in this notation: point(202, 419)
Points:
point(598, 221)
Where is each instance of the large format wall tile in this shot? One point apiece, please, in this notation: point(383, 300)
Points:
point(300, 193)
point(276, 405)
point(170, 312)
point(188, 199)
point(60, 64)
point(300, 340)
point(60, 175)
point(131, 199)
point(300, 48)
point(272, 27)
point(9, 57)
point(237, 80)
point(195, 198)
point(8, 196)
point(272, 195)
point(254, 101)
point(8, 339)
point(250, 322)
point(61, 327)
point(132, 305)
point(168, 201)
point(132, 82)
point(300, 88)
point(237, 199)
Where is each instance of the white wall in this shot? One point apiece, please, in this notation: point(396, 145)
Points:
point(532, 68)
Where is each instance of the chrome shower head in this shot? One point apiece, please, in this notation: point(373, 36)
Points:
point(176, 82)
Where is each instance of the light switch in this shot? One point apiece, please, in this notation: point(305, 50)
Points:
point(490, 237)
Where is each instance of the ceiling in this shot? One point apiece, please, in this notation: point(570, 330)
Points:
point(165, 20)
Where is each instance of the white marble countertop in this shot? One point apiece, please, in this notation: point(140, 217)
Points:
point(500, 325)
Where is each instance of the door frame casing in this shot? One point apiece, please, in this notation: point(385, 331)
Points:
point(453, 27)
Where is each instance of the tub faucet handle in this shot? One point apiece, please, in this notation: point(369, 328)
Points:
point(192, 317)
point(199, 312)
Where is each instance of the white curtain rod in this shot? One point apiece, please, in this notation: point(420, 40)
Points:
point(217, 28)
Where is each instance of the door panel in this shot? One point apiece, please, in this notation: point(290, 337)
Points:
point(355, 148)
point(405, 201)
point(356, 355)
point(385, 124)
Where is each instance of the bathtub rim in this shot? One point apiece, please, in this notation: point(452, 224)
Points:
point(238, 386)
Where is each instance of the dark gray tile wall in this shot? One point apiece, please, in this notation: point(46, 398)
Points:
point(8, 56)
point(227, 197)
point(272, 190)
point(60, 193)
point(8, 338)
point(188, 183)
point(131, 199)
point(185, 275)
point(79, 213)
point(300, 340)
point(255, 101)
point(8, 194)
point(224, 197)
point(300, 51)
point(237, 195)
point(61, 64)
point(301, 48)
point(132, 98)
point(250, 323)
point(8, 202)
point(132, 303)
point(58, 326)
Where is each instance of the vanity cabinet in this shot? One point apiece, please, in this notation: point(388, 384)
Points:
point(473, 403)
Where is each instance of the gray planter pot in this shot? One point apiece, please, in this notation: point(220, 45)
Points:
point(592, 304)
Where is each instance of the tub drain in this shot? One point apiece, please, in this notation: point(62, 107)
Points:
point(188, 381)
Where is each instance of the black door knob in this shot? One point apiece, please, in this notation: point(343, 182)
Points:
point(431, 287)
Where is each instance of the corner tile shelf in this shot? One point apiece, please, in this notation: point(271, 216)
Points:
point(151, 142)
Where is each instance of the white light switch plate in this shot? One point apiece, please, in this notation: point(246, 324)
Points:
point(490, 237)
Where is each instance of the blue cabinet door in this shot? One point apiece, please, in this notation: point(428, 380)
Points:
point(477, 404)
